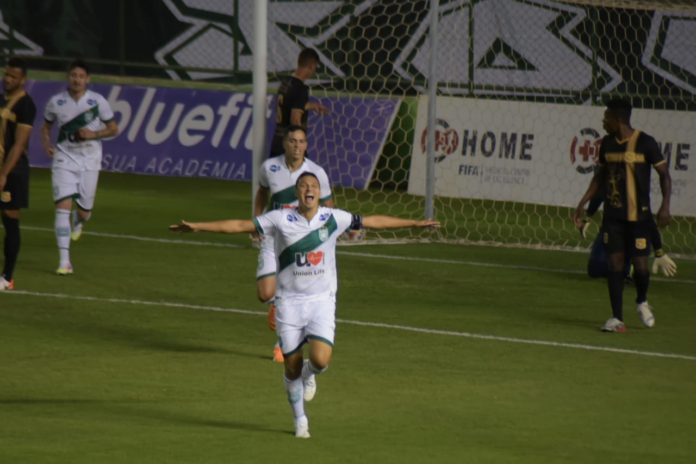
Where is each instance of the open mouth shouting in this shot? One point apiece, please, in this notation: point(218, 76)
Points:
point(308, 191)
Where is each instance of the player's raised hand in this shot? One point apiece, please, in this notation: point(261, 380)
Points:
point(182, 226)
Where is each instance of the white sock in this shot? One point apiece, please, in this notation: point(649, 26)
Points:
point(62, 228)
point(295, 391)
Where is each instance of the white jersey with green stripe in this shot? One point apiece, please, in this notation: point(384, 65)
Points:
point(305, 250)
point(276, 177)
point(91, 111)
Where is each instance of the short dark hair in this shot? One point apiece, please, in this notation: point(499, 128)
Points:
point(307, 55)
point(305, 174)
point(79, 63)
point(16, 62)
point(621, 108)
point(292, 128)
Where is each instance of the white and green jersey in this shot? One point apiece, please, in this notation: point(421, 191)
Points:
point(276, 177)
point(305, 250)
point(91, 111)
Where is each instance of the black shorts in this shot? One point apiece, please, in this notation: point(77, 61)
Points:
point(630, 238)
point(15, 195)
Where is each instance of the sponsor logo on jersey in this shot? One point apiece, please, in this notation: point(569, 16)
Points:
point(311, 258)
point(323, 234)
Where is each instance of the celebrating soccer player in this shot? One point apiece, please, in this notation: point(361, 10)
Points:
point(277, 182)
point(305, 245)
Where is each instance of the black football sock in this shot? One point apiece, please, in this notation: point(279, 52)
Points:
point(616, 283)
point(12, 241)
point(642, 281)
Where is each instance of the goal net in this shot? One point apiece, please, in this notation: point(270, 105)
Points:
point(520, 89)
point(520, 92)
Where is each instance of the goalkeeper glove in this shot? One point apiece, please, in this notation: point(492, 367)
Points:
point(663, 263)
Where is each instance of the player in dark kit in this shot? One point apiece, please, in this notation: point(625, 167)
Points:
point(16, 120)
point(626, 158)
point(293, 99)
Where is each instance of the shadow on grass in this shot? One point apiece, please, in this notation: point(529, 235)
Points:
point(137, 409)
point(105, 332)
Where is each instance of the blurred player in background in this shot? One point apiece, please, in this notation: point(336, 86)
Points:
point(305, 243)
point(626, 157)
point(277, 190)
point(84, 118)
point(16, 120)
point(293, 99)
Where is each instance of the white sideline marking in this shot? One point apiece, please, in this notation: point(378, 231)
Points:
point(379, 325)
point(361, 254)
point(524, 341)
point(145, 239)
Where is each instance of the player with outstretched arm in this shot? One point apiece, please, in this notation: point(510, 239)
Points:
point(277, 178)
point(305, 241)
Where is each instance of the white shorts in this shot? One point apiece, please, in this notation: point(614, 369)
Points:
point(267, 259)
point(298, 320)
point(81, 185)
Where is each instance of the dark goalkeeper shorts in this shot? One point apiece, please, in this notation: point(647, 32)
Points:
point(15, 195)
point(630, 238)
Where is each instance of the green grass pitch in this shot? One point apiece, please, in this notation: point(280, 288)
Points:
point(156, 350)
